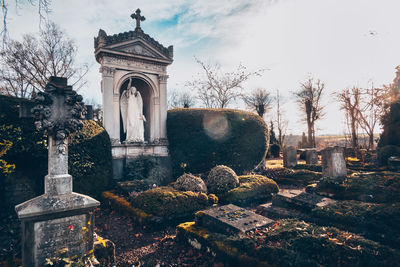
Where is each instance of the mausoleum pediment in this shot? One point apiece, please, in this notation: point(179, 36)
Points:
point(137, 47)
point(133, 43)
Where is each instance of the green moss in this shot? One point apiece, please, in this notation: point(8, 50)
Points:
point(377, 221)
point(169, 202)
point(297, 243)
point(197, 142)
point(122, 205)
point(253, 188)
point(380, 187)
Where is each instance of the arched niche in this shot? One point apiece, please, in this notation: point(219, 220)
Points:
point(146, 92)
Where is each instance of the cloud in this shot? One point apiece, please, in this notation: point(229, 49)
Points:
point(329, 39)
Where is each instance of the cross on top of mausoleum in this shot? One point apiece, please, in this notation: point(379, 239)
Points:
point(138, 19)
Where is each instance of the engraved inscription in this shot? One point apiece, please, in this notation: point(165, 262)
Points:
point(53, 235)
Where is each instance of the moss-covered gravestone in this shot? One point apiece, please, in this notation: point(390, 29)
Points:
point(57, 219)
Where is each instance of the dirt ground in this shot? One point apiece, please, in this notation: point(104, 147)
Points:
point(136, 246)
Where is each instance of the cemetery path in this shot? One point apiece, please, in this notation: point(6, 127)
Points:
point(135, 245)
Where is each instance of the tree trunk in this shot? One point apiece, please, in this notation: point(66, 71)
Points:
point(371, 141)
point(354, 141)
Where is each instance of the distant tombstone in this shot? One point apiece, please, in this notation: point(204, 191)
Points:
point(333, 162)
point(231, 219)
point(54, 220)
point(311, 157)
point(289, 156)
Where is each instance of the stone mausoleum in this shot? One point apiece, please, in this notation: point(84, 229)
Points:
point(134, 56)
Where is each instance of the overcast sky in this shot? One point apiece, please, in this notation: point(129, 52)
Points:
point(342, 42)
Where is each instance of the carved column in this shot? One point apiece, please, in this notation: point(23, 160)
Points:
point(107, 89)
point(163, 105)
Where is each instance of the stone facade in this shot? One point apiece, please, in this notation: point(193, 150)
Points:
point(134, 55)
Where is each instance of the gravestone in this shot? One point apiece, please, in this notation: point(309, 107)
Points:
point(54, 220)
point(289, 156)
point(333, 162)
point(134, 59)
point(231, 219)
point(311, 157)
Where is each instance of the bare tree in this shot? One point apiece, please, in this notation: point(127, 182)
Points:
point(180, 100)
point(259, 100)
point(280, 121)
point(373, 106)
point(309, 100)
point(217, 89)
point(350, 102)
point(43, 9)
point(27, 65)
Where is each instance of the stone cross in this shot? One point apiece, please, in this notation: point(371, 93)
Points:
point(138, 19)
point(48, 220)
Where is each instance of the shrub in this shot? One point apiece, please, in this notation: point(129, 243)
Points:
point(138, 168)
point(90, 160)
point(147, 168)
point(199, 139)
point(166, 201)
point(274, 150)
point(384, 153)
point(221, 179)
point(253, 188)
point(89, 151)
point(189, 182)
point(391, 126)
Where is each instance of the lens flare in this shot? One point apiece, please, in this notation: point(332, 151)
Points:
point(215, 125)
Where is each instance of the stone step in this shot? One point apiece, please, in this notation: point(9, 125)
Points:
point(231, 219)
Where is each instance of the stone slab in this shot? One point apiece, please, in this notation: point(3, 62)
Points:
point(231, 219)
point(275, 212)
point(299, 199)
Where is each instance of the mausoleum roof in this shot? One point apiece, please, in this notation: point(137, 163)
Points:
point(110, 42)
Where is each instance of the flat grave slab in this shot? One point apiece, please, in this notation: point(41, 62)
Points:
point(275, 212)
point(231, 219)
point(298, 199)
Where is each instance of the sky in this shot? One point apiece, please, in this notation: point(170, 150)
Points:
point(343, 43)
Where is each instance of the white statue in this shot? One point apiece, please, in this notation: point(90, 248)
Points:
point(132, 114)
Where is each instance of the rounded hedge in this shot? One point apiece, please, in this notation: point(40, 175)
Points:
point(200, 139)
point(90, 161)
point(221, 179)
point(189, 182)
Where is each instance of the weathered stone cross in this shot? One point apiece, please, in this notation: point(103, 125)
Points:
point(138, 19)
point(46, 219)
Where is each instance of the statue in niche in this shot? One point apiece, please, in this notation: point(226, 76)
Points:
point(131, 104)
